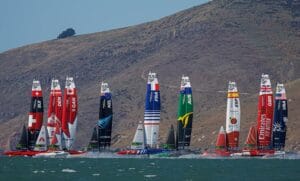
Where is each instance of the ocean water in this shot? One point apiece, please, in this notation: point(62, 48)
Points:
point(131, 169)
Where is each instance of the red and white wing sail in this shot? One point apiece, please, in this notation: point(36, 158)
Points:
point(55, 114)
point(265, 113)
point(35, 119)
point(233, 114)
point(69, 115)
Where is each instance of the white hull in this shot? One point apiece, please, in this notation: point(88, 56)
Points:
point(54, 154)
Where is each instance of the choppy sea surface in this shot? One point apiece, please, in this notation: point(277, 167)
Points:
point(189, 168)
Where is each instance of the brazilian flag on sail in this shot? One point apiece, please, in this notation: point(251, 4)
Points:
point(185, 114)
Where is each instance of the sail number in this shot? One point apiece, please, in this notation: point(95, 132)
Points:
point(73, 104)
point(189, 97)
point(109, 103)
point(39, 104)
point(59, 101)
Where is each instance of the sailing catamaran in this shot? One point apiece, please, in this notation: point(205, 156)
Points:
point(35, 140)
point(105, 117)
point(62, 120)
point(280, 118)
point(35, 119)
point(150, 129)
point(152, 111)
point(101, 138)
point(185, 114)
point(261, 144)
point(265, 114)
point(29, 136)
point(55, 116)
point(227, 141)
point(69, 114)
point(233, 113)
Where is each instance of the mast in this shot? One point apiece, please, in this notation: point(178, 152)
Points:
point(54, 115)
point(280, 118)
point(185, 114)
point(105, 117)
point(69, 114)
point(138, 141)
point(152, 111)
point(233, 113)
point(265, 113)
point(35, 119)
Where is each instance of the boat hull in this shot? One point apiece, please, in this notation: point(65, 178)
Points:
point(52, 154)
point(75, 152)
point(22, 153)
point(254, 153)
point(141, 151)
point(216, 154)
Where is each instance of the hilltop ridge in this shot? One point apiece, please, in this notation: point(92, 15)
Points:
point(212, 43)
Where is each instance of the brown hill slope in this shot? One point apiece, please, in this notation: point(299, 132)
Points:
point(212, 43)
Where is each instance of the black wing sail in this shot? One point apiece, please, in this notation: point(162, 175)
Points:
point(23, 143)
point(93, 144)
point(105, 118)
point(170, 143)
point(280, 118)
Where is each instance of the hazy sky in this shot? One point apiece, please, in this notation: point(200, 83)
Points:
point(28, 21)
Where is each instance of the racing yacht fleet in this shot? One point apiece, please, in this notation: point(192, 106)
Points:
point(56, 138)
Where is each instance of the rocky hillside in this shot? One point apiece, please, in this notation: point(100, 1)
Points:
point(213, 43)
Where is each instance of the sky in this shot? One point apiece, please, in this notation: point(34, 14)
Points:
point(30, 21)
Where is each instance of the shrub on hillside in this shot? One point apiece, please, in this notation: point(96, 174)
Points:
point(66, 33)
